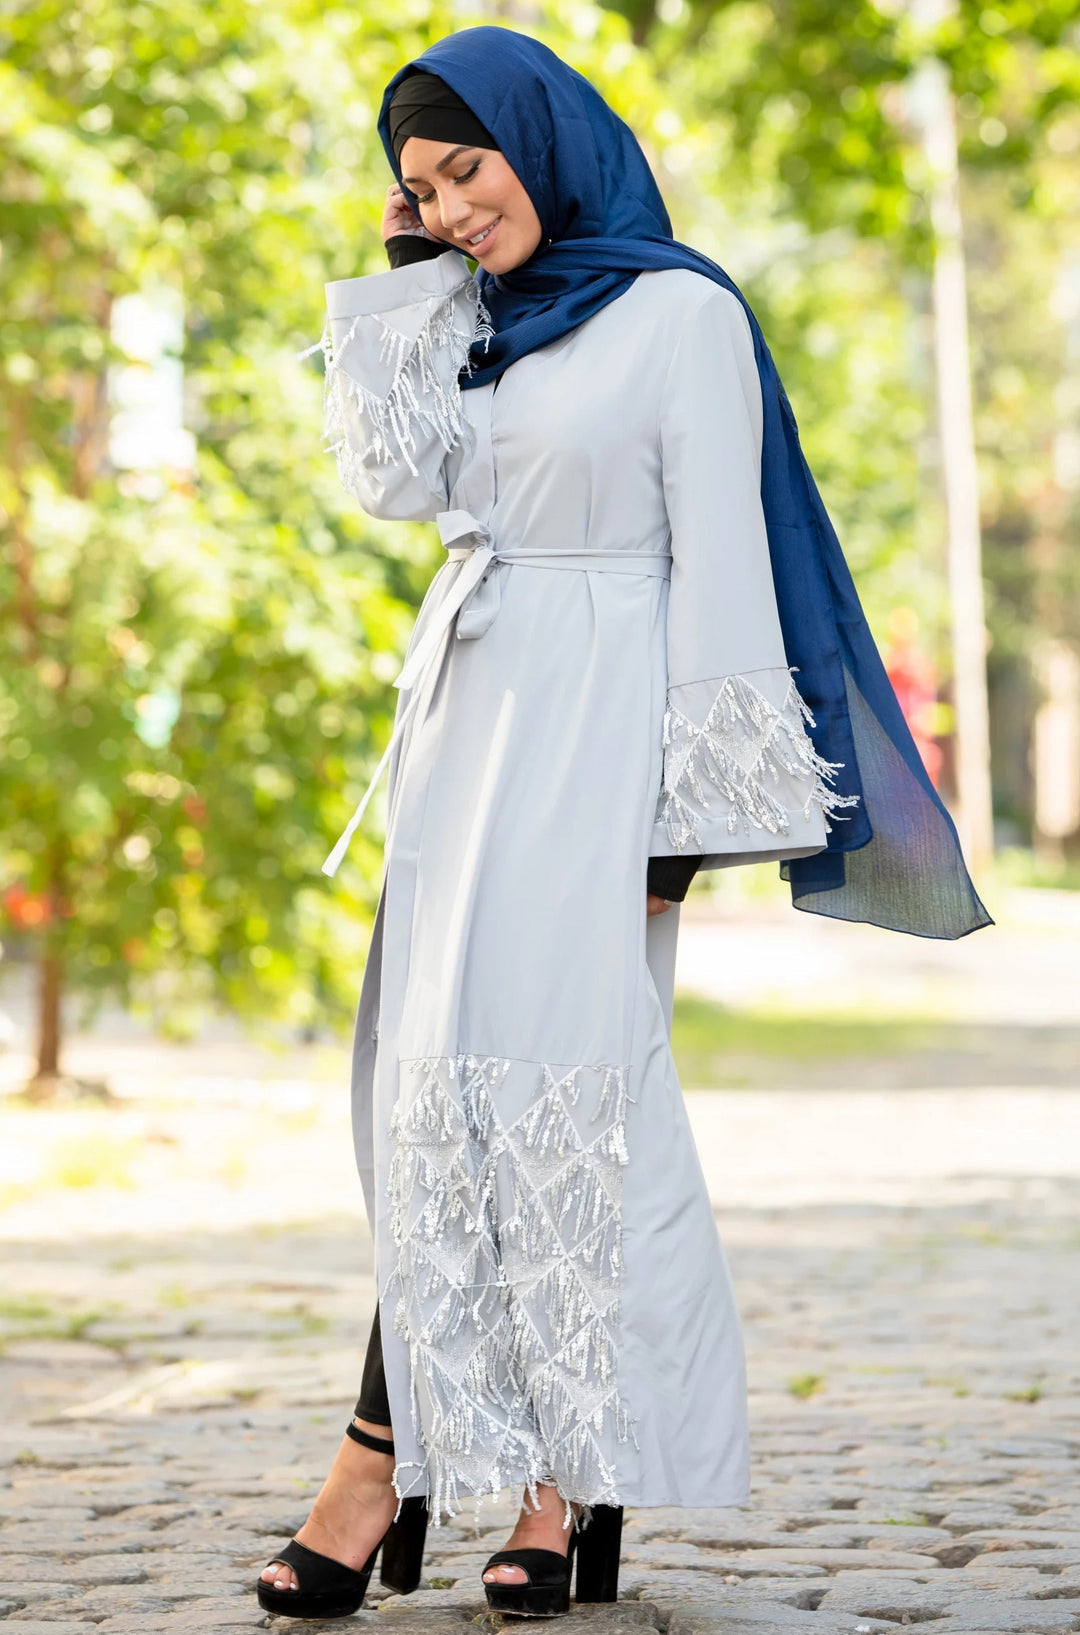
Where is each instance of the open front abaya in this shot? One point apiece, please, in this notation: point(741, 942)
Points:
point(596, 676)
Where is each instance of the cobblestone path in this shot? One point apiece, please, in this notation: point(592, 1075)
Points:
point(169, 1409)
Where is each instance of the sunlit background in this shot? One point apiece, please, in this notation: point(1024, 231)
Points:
point(199, 629)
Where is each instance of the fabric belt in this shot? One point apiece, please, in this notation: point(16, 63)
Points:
point(475, 600)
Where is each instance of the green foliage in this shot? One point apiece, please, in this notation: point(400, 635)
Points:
point(813, 98)
point(194, 674)
point(195, 665)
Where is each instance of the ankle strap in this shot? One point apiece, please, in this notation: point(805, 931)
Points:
point(368, 1441)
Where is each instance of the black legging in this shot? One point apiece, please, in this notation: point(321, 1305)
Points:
point(374, 1404)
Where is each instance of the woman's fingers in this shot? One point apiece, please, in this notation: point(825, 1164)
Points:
point(397, 217)
point(655, 905)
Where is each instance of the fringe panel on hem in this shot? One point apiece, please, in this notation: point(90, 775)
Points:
point(505, 1192)
point(743, 741)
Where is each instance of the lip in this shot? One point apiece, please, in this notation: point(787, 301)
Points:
point(478, 250)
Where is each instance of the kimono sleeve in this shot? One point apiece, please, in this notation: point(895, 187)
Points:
point(395, 345)
point(741, 780)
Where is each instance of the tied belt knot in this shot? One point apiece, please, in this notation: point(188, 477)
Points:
point(474, 597)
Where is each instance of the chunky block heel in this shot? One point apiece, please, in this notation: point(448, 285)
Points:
point(402, 1560)
point(327, 1588)
point(599, 1545)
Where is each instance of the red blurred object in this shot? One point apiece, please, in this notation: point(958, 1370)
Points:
point(914, 678)
point(27, 910)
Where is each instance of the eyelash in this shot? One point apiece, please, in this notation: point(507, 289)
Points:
point(467, 176)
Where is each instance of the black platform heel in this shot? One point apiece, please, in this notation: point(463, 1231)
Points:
point(403, 1548)
point(327, 1588)
point(599, 1548)
point(547, 1593)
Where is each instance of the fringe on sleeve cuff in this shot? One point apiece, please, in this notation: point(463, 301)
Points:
point(748, 765)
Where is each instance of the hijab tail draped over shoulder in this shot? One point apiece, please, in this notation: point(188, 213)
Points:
point(892, 855)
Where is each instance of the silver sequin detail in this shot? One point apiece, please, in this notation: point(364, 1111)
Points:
point(362, 427)
point(743, 741)
point(505, 1191)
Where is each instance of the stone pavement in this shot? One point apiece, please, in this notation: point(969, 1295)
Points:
point(186, 1293)
point(171, 1403)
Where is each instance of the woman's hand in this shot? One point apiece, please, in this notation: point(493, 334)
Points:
point(398, 218)
point(655, 905)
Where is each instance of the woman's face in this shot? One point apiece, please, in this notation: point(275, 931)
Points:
point(473, 199)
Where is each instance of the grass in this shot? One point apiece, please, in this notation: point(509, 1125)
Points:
point(308, 1321)
point(983, 1234)
point(174, 1295)
point(30, 1309)
point(305, 1321)
point(805, 1386)
point(1016, 866)
point(33, 1320)
point(714, 1045)
point(96, 1159)
point(35, 1317)
point(1031, 1393)
point(949, 1382)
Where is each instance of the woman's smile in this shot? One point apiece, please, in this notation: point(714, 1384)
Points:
point(484, 239)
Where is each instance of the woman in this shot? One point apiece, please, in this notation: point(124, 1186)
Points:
point(598, 698)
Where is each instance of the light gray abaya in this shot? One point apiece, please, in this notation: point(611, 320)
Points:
point(596, 676)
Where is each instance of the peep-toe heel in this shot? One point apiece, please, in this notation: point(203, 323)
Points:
point(547, 1591)
point(327, 1588)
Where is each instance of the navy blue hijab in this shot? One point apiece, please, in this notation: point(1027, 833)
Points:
point(894, 860)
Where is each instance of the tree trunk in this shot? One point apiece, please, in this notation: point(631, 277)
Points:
point(90, 446)
point(50, 981)
point(960, 468)
point(43, 1086)
point(931, 96)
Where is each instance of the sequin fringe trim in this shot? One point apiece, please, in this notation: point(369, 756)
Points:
point(362, 427)
point(508, 1233)
point(743, 741)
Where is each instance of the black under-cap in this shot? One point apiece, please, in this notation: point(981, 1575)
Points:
point(424, 105)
